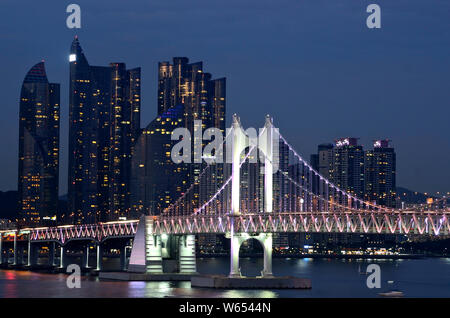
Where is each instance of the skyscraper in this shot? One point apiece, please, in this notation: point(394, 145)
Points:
point(124, 129)
point(38, 147)
point(185, 94)
point(325, 160)
point(187, 84)
point(348, 166)
point(104, 121)
point(156, 180)
point(380, 174)
point(322, 162)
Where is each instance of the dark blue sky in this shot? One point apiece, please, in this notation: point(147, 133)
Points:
point(312, 64)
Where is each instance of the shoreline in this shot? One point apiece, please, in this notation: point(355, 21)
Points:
point(56, 270)
point(401, 256)
point(95, 273)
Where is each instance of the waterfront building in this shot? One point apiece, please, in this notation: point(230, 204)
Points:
point(209, 243)
point(155, 178)
point(322, 162)
point(348, 166)
point(185, 94)
point(184, 83)
point(104, 123)
point(325, 160)
point(280, 240)
point(380, 174)
point(38, 148)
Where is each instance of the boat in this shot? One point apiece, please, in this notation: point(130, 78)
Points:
point(392, 293)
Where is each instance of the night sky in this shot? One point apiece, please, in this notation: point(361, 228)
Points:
point(312, 64)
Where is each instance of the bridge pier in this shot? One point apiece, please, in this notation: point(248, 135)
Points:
point(51, 254)
point(153, 254)
point(166, 246)
point(85, 258)
point(6, 256)
point(267, 243)
point(61, 257)
point(146, 254)
point(123, 258)
point(236, 241)
point(15, 250)
point(149, 249)
point(99, 257)
point(33, 252)
point(186, 259)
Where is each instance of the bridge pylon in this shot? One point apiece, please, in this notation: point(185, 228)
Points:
point(149, 249)
point(266, 148)
point(146, 254)
point(186, 259)
point(236, 241)
point(239, 141)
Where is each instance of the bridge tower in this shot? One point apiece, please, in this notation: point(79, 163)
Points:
point(240, 141)
point(149, 249)
point(146, 255)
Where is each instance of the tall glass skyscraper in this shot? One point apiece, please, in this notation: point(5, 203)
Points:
point(348, 166)
point(156, 179)
point(38, 148)
point(104, 122)
point(202, 98)
point(367, 174)
point(380, 174)
point(185, 94)
point(184, 83)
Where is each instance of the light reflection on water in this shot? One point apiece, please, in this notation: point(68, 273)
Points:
point(249, 294)
point(330, 278)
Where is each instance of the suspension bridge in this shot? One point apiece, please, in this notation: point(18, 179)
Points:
point(266, 187)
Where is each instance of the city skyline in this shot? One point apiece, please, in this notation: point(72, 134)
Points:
point(221, 155)
point(410, 155)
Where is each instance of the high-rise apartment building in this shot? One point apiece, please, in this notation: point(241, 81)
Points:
point(156, 180)
point(380, 174)
point(348, 166)
point(322, 161)
point(186, 94)
point(124, 130)
point(370, 175)
point(325, 160)
point(38, 148)
point(104, 123)
point(184, 83)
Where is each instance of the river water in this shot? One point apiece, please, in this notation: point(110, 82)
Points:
point(429, 277)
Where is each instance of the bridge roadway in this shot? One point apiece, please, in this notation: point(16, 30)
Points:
point(396, 222)
point(89, 235)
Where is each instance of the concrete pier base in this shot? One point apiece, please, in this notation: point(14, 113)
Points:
point(219, 281)
point(163, 277)
point(187, 262)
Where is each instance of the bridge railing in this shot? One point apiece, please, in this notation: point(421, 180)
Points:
point(96, 232)
point(398, 222)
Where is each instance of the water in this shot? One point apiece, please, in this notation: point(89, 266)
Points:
point(330, 278)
